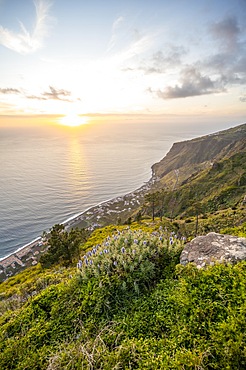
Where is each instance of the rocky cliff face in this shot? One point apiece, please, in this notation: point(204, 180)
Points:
point(188, 157)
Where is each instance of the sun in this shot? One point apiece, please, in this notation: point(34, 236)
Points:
point(73, 120)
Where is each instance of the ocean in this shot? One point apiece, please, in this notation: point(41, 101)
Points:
point(51, 173)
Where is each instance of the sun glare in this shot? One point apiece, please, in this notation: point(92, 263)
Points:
point(73, 120)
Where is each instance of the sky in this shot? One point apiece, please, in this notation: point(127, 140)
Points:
point(82, 60)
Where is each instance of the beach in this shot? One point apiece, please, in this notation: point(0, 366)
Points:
point(113, 210)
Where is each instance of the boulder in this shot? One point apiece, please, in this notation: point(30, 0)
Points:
point(213, 247)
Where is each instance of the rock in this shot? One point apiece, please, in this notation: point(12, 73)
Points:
point(213, 247)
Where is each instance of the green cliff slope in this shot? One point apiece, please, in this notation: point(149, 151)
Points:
point(189, 157)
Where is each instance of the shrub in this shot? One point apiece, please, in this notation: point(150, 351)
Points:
point(136, 257)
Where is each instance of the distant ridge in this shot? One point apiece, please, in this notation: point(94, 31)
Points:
point(192, 156)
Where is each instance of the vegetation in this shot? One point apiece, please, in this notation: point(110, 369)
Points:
point(221, 187)
point(143, 312)
point(63, 246)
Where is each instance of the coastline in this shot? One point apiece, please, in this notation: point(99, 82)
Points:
point(21, 248)
point(109, 211)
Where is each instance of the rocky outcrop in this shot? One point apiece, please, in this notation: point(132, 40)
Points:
point(213, 247)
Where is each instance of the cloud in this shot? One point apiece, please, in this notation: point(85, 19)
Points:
point(226, 32)
point(53, 94)
point(128, 42)
point(56, 94)
point(26, 42)
point(193, 83)
point(9, 91)
point(137, 47)
point(161, 61)
point(229, 62)
point(116, 25)
point(215, 73)
point(229, 69)
point(243, 99)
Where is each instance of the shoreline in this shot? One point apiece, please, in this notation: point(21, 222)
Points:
point(109, 211)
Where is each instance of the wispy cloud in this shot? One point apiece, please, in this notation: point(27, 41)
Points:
point(116, 25)
point(138, 46)
point(226, 32)
point(26, 42)
point(53, 94)
point(243, 98)
point(9, 90)
point(161, 60)
point(127, 42)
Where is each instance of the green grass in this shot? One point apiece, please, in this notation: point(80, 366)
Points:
point(145, 312)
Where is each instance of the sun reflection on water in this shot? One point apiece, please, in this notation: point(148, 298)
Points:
point(79, 171)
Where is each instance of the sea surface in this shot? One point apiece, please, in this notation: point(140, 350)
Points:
point(48, 174)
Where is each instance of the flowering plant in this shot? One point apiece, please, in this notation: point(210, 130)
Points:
point(132, 255)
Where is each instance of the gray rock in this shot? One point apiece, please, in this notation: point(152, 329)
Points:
point(213, 247)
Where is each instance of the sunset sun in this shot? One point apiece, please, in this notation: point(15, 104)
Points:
point(73, 120)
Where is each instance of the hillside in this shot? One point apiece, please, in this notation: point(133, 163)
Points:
point(130, 306)
point(221, 186)
point(210, 177)
point(192, 156)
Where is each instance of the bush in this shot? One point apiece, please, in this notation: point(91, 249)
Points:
point(134, 256)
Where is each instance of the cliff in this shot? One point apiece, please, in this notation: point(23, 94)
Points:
point(188, 157)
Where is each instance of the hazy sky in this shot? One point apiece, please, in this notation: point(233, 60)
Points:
point(159, 57)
